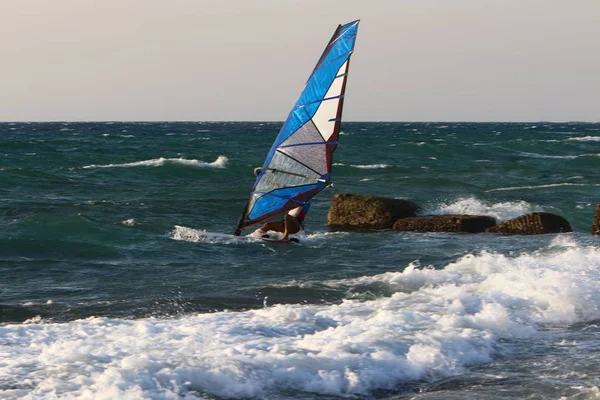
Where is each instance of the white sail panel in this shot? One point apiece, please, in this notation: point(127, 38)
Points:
point(307, 133)
point(328, 108)
point(314, 156)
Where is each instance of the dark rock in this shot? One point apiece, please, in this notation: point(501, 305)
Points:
point(533, 224)
point(596, 222)
point(357, 211)
point(445, 223)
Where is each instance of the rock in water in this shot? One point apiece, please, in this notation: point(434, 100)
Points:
point(446, 223)
point(357, 211)
point(533, 224)
point(596, 222)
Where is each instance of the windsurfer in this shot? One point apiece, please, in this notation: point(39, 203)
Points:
point(290, 224)
point(298, 165)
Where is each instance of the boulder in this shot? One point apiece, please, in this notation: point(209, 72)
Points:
point(533, 224)
point(445, 223)
point(596, 222)
point(357, 211)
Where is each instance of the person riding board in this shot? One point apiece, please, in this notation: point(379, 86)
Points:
point(290, 224)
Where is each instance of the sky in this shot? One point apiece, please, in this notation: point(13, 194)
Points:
point(248, 60)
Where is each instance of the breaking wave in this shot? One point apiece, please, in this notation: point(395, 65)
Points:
point(220, 162)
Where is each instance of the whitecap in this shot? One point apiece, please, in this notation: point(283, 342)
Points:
point(536, 155)
point(586, 139)
point(202, 236)
point(371, 166)
point(474, 206)
point(220, 162)
point(540, 186)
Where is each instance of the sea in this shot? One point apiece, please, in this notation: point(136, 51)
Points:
point(120, 279)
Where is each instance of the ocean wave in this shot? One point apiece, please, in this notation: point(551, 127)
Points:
point(361, 166)
point(586, 139)
point(220, 162)
point(474, 206)
point(536, 155)
point(541, 186)
point(201, 236)
point(371, 166)
point(436, 324)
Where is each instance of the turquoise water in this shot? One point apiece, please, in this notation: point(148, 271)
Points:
point(119, 231)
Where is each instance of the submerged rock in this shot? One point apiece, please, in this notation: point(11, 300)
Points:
point(596, 222)
point(357, 211)
point(446, 223)
point(533, 224)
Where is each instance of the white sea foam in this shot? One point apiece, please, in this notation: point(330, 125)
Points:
point(536, 155)
point(371, 166)
point(586, 139)
point(202, 236)
point(473, 206)
point(541, 186)
point(220, 162)
point(435, 324)
point(319, 239)
point(583, 393)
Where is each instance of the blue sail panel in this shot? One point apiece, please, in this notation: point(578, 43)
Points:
point(289, 198)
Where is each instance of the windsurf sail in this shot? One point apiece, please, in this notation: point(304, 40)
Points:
point(298, 165)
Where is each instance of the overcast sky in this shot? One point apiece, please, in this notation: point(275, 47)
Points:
point(204, 60)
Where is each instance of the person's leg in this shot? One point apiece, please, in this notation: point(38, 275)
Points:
point(277, 226)
point(291, 226)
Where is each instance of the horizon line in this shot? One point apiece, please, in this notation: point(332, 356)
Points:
point(282, 121)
